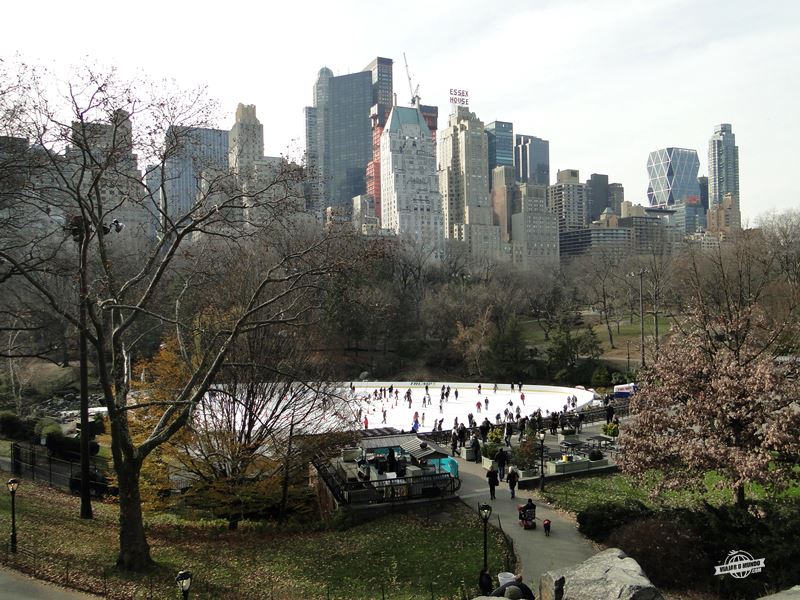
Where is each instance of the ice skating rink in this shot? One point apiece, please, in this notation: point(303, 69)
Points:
point(400, 416)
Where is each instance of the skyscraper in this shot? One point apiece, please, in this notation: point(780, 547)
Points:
point(616, 196)
point(673, 176)
point(702, 181)
point(597, 186)
point(464, 183)
point(500, 136)
point(382, 100)
point(339, 132)
point(723, 165)
point(198, 150)
point(532, 159)
point(567, 199)
point(411, 205)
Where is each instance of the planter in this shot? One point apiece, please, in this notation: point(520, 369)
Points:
point(468, 453)
point(527, 473)
point(567, 438)
point(598, 463)
point(488, 463)
point(567, 467)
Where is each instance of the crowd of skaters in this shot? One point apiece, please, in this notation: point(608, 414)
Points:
point(513, 418)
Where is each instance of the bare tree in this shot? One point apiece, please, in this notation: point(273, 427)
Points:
point(89, 186)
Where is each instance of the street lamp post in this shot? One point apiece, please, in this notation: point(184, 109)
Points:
point(640, 274)
point(541, 458)
point(184, 581)
point(12, 487)
point(81, 231)
point(485, 511)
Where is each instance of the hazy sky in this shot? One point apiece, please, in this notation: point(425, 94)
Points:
point(606, 81)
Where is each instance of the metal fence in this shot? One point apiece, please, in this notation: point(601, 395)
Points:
point(33, 461)
point(387, 491)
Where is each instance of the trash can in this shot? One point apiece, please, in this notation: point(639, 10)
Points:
point(505, 577)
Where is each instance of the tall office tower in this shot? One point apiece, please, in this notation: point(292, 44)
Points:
point(501, 145)
point(702, 181)
point(505, 199)
point(197, 150)
point(411, 205)
point(616, 196)
point(534, 229)
point(464, 183)
point(382, 100)
point(121, 187)
point(532, 159)
point(567, 199)
point(673, 176)
point(342, 142)
point(723, 165)
point(245, 140)
point(597, 187)
point(431, 116)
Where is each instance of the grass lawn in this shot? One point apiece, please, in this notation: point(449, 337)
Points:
point(576, 494)
point(407, 554)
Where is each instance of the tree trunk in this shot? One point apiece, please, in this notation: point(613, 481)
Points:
point(134, 551)
point(740, 499)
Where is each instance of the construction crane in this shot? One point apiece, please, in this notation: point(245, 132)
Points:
point(414, 91)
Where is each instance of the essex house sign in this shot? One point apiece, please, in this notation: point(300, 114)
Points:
point(459, 97)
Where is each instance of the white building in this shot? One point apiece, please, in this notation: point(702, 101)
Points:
point(567, 198)
point(410, 202)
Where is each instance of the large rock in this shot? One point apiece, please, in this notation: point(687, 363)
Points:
point(790, 594)
point(609, 574)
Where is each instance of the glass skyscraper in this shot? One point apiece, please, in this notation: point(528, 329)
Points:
point(673, 177)
point(532, 159)
point(723, 165)
point(501, 145)
point(339, 135)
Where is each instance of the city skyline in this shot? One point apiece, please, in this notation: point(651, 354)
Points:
point(613, 81)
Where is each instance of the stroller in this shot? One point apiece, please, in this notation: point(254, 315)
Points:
point(527, 516)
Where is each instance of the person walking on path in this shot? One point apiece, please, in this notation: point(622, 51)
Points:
point(509, 432)
point(454, 442)
point(502, 459)
point(484, 429)
point(609, 414)
point(491, 477)
point(513, 479)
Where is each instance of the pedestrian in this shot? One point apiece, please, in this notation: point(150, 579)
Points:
point(384, 417)
point(502, 459)
point(462, 435)
point(513, 478)
point(546, 527)
point(439, 428)
point(426, 389)
point(391, 387)
point(441, 410)
point(580, 422)
point(476, 448)
point(478, 405)
point(366, 423)
point(423, 419)
point(455, 423)
point(455, 394)
point(485, 583)
point(523, 423)
point(609, 414)
point(514, 589)
point(553, 423)
point(484, 429)
point(486, 403)
point(491, 477)
point(522, 397)
point(454, 442)
point(494, 389)
point(509, 432)
point(479, 389)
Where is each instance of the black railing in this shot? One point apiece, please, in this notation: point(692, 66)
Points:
point(383, 491)
point(33, 461)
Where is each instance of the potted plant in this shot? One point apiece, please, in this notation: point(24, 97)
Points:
point(611, 429)
point(597, 459)
point(488, 450)
point(526, 458)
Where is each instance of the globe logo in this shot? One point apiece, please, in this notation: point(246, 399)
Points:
point(739, 564)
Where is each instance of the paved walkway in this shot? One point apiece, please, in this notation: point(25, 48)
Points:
point(537, 553)
point(16, 586)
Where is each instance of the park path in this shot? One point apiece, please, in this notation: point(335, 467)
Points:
point(16, 586)
point(537, 553)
